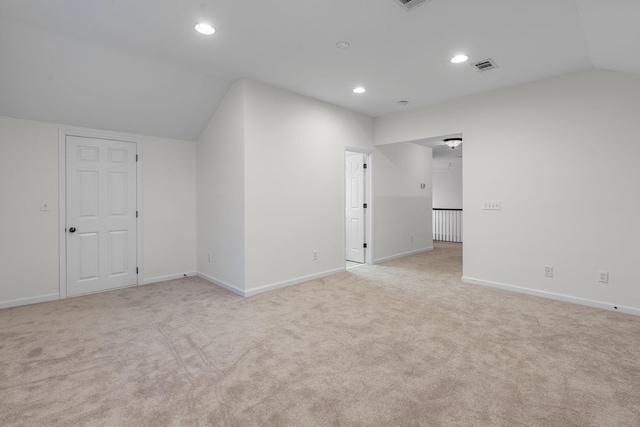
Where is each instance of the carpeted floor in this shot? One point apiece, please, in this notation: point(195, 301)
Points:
point(400, 344)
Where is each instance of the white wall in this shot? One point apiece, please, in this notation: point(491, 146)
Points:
point(402, 207)
point(169, 208)
point(220, 189)
point(447, 184)
point(29, 237)
point(561, 154)
point(294, 181)
point(294, 187)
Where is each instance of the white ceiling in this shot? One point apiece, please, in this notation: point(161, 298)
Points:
point(138, 65)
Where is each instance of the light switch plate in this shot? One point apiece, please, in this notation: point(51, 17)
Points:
point(492, 205)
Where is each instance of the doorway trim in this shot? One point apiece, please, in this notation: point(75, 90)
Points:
point(368, 194)
point(62, 200)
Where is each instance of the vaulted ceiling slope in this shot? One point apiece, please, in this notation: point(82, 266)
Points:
point(138, 66)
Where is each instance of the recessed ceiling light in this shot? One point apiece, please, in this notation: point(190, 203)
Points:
point(359, 89)
point(403, 103)
point(205, 29)
point(458, 59)
point(343, 45)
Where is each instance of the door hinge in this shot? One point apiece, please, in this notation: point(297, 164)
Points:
point(364, 166)
point(136, 270)
point(364, 245)
point(136, 157)
point(364, 206)
point(136, 214)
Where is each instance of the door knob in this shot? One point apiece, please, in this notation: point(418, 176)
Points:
point(72, 230)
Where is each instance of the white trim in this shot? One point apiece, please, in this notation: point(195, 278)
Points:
point(357, 149)
point(62, 200)
point(222, 284)
point(274, 286)
point(404, 254)
point(167, 278)
point(554, 296)
point(368, 195)
point(27, 301)
point(139, 227)
point(271, 287)
point(291, 282)
point(62, 213)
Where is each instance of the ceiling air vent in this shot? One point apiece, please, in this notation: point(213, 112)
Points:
point(485, 65)
point(409, 5)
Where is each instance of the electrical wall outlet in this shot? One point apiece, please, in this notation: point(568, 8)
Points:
point(603, 276)
point(315, 255)
point(209, 256)
point(548, 271)
point(492, 205)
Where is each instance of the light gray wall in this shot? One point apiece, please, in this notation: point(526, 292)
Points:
point(271, 189)
point(402, 207)
point(447, 184)
point(294, 184)
point(29, 254)
point(221, 193)
point(169, 203)
point(561, 154)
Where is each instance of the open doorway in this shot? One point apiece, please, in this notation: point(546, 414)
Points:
point(447, 191)
point(357, 207)
point(446, 187)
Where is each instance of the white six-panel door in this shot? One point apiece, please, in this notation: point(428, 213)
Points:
point(355, 207)
point(101, 198)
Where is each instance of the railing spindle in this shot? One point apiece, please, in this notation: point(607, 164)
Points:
point(447, 225)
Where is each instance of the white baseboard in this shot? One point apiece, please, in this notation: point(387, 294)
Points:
point(296, 281)
point(266, 288)
point(554, 296)
point(166, 278)
point(27, 301)
point(222, 284)
point(389, 258)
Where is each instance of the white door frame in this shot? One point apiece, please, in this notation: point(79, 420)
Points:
point(368, 197)
point(62, 200)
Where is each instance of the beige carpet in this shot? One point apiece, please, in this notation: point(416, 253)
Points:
point(400, 344)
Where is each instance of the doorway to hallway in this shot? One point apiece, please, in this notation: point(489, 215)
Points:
point(356, 207)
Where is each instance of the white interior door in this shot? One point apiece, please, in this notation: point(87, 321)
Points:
point(355, 207)
point(100, 214)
